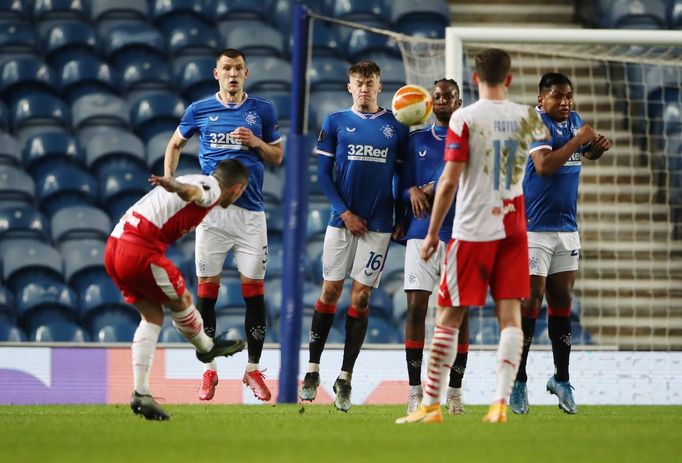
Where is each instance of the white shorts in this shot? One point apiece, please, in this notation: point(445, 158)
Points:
point(420, 275)
point(362, 256)
point(225, 229)
point(553, 252)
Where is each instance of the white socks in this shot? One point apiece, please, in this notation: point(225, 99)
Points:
point(190, 324)
point(251, 367)
point(508, 358)
point(212, 365)
point(313, 367)
point(143, 350)
point(441, 358)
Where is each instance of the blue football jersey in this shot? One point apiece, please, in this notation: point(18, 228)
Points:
point(366, 149)
point(552, 201)
point(423, 165)
point(214, 120)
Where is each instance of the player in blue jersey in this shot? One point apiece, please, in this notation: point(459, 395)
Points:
point(423, 167)
point(551, 191)
point(232, 125)
point(359, 149)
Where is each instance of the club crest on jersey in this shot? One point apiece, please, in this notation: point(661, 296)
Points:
point(388, 131)
point(251, 118)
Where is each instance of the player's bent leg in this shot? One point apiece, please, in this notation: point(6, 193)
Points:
point(564, 391)
point(187, 320)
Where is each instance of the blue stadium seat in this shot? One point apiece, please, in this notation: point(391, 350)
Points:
point(17, 37)
point(323, 102)
point(10, 151)
point(281, 12)
point(64, 185)
point(86, 75)
point(230, 296)
point(111, 315)
point(133, 38)
point(4, 117)
point(121, 188)
point(268, 73)
point(195, 78)
point(381, 331)
point(168, 13)
point(192, 39)
point(25, 261)
point(394, 262)
point(275, 253)
point(242, 9)
point(664, 125)
point(48, 10)
point(100, 109)
point(282, 102)
point(144, 71)
point(170, 335)
point(114, 148)
point(68, 40)
point(11, 333)
point(42, 149)
point(80, 222)
point(8, 313)
point(101, 10)
point(635, 15)
point(24, 76)
point(327, 41)
point(40, 110)
point(675, 14)
point(23, 222)
point(392, 70)
point(156, 113)
point(273, 185)
point(429, 11)
point(483, 329)
point(13, 10)
point(318, 218)
point(425, 30)
point(329, 73)
point(44, 299)
point(275, 220)
point(361, 43)
point(156, 150)
point(360, 10)
point(230, 321)
point(381, 304)
point(252, 38)
point(16, 186)
point(59, 331)
point(97, 293)
point(115, 332)
point(399, 305)
point(82, 256)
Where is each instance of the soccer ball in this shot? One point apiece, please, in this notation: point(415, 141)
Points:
point(412, 105)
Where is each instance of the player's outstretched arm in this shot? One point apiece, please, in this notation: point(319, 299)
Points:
point(186, 191)
point(600, 145)
point(547, 162)
point(172, 156)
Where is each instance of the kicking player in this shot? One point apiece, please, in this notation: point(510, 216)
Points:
point(551, 190)
point(422, 168)
point(358, 151)
point(485, 152)
point(232, 125)
point(135, 260)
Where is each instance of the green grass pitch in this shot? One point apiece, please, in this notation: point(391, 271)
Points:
point(319, 433)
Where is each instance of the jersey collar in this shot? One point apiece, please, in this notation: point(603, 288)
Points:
point(435, 133)
point(381, 112)
point(231, 105)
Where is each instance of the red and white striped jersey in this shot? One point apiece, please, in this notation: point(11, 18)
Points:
point(492, 137)
point(160, 218)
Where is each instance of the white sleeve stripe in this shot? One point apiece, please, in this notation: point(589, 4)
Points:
point(325, 153)
point(181, 136)
point(275, 142)
point(532, 150)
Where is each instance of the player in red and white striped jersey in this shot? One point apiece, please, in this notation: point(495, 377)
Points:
point(485, 153)
point(135, 260)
